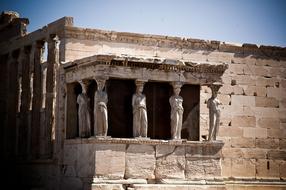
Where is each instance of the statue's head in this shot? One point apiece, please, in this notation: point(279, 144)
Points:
point(100, 84)
point(139, 86)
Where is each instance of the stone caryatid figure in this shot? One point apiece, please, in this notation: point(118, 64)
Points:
point(214, 113)
point(83, 111)
point(100, 109)
point(177, 110)
point(140, 123)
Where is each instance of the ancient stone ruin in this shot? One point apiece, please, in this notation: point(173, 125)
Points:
point(93, 109)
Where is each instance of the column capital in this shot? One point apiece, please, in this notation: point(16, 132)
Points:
point(84, 85)
point(140, 82)
point(176, 84)
point(215, 87)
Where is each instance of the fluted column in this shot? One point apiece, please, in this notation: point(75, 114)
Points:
point(37, 99)
point(52, 66)
point(25, 101)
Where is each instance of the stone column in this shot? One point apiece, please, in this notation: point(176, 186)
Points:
point(177, 110)
point(12, 103)
point(37, 99)
point(52, 66)
point(214, 112)
point(100, 109)
point(25, 101)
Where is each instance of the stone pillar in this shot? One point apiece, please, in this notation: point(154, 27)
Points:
point(214, 112)
point(25, 101)
point(52, 66)
point(37, 100)
point(177, 110)
point(12, 103)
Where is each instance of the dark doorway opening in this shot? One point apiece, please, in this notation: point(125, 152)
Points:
point(120, 116)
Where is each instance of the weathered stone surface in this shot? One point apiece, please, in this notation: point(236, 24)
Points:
point(267, 143)
point(178, 186)
point(266, 102)
point(238, 100)
point(110, 160)
point(226, 167)
point(278, 93)
point(170, 162)
point(253, 132)
point(254, 91)
point(202, 168)
point(271, 123)
point(276, 133)
point(243, 168)
point(230, 131)
point(243, 121)
point(238, 142)
point(232, 153)
point(85, 160)
point(107, 187)
point(277, 154)
point(282, 143)
point(140, 162)
point(282, 169)
point(267, 169)
point(69, 154)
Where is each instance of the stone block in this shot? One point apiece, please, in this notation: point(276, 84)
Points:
point(276, 133)
point(210, 150)
point(243, 121)
point(243, 168)
point(265, 82)
point(259, 71)
point(282, 169)
point(277, 154)
point(232, 153)
point(267, 143)
point(244, 79)
point(226, 167)
point(236, 69)
point(266, 102)
point(254, 153)
point(224, 99)
point(85, 164)
point(239, 142)
point(230, 131)
point(268, 112)
point(228, 89)
point(253, 132)
point(271, 123)
point(70, 151)
point(267, 169)
point(170, 162)
point(110, 160)
point(140, 162)
point(238, 100)
point(107, 187)
point(278, 93)
point(282, 143)
point(197, 168)
point(254, 91)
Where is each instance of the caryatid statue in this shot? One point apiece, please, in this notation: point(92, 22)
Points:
point(83, 111)
point(177, 110)
point(140, 122)
point(214, 113)
point(100, 109)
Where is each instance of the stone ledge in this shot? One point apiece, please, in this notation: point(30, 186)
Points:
point(184, 142)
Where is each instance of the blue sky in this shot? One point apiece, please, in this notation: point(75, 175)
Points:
point(261, 22)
